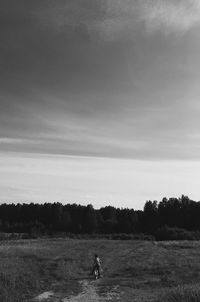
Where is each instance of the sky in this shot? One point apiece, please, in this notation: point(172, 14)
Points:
point(99, 101)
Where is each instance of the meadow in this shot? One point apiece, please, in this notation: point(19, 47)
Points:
point(132, 270)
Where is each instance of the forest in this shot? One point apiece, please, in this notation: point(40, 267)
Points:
point(173, 218)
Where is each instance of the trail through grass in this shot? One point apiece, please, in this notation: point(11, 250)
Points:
point(138, 271)
point(88, 294)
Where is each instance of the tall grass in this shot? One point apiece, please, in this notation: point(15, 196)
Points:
point(139, 269)
point(184, 294)
point(15, 287)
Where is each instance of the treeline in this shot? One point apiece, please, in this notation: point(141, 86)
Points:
point(170, 217)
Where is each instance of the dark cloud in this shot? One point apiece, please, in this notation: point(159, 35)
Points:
point(84, 77)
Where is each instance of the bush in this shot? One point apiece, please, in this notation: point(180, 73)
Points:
point(169, 233)
point(114, 236)
point(13, 236)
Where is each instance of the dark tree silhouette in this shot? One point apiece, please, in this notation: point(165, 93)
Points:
point(166, 218)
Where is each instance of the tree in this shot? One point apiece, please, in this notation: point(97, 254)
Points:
point(90, 220)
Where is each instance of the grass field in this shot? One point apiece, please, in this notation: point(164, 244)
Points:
point(133, 270)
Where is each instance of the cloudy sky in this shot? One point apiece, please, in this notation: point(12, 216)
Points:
point(99, 100)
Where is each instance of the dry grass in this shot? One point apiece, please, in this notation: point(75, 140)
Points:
point(138, 270)
point(184, 293)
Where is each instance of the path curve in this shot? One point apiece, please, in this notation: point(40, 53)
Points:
point(89, 294)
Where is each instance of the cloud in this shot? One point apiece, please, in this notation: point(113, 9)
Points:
point(100, 181)
point(168, 16)
point(64, 93)
point(9, 140)
point(112, 19)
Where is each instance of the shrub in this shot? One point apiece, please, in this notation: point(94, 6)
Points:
point(170, 233)
point(114, 236)
point(13, 236)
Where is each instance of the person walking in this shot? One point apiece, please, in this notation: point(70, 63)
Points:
point(97, 266)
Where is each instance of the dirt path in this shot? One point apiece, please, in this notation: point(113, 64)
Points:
point(89, 294)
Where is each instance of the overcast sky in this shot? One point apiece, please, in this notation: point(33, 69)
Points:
point(108, 85)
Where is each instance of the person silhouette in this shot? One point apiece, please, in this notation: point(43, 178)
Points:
point(97, 266)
